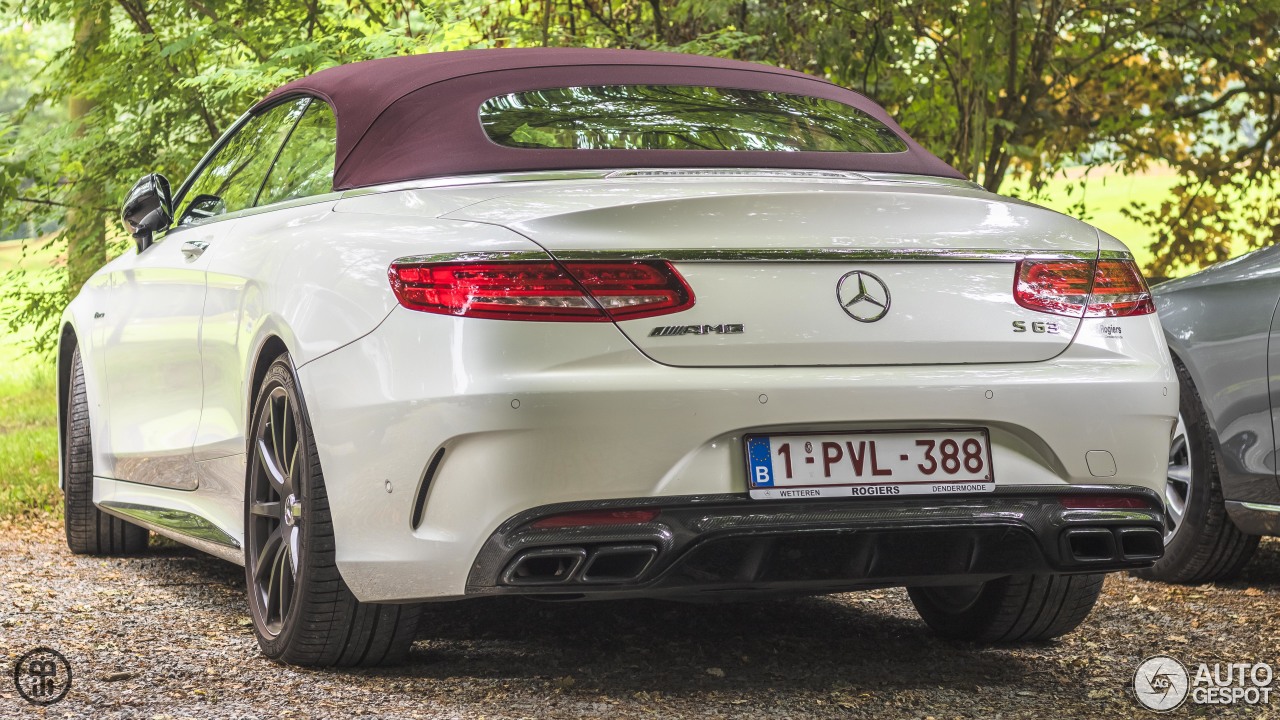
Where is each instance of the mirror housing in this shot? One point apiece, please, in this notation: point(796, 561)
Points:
point(147, 208)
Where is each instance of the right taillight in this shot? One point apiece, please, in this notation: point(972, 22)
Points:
point(1083, 288)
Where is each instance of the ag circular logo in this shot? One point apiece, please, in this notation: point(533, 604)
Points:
point(1161, 683)
point(863, 296)
point(42, 676)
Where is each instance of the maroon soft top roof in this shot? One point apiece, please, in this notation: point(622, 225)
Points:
point(412, 117)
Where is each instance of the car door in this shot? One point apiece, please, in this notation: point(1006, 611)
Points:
point(154, 305)
point(240, 280)
point(1264, 494)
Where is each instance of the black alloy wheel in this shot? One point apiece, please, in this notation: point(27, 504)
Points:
point(1201, 543)
point(275, 510)
point(303, 613)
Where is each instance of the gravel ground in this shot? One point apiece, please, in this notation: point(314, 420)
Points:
point(167, 636)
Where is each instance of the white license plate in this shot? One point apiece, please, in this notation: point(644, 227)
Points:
point(870, 464)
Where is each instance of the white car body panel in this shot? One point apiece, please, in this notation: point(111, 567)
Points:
point(151, 308)
point(535, 413)
point(579, 390)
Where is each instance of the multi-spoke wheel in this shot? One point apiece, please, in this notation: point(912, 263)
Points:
point(1177, 487)
point(275, 510)
point(1201, 544)
point(302, 611)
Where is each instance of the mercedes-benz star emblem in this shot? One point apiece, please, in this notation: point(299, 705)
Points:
point(863, 296)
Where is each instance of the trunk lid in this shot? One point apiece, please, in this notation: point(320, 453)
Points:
point(813, 272)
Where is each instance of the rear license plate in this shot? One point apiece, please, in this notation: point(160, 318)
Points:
point(869, 464)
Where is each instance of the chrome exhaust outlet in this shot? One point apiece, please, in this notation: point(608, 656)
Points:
point(1141, 543)
point(546, 566)
point(618, 563)
point(1089, 545)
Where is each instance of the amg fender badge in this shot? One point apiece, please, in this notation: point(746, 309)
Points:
point(672, 330)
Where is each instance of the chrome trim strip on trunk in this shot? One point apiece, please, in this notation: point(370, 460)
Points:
point(473, 256)
point(846, 255)
point(738, 173)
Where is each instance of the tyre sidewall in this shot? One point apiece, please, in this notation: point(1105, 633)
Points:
point(280, 374)
point(1203, 474)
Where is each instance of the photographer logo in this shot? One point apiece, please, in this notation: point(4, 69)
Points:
point(42, 676)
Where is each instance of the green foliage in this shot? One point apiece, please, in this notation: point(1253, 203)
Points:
point(28, 417)
point(1001, 89)
point(1025, 88)
point(28, 439)
point(157, 83)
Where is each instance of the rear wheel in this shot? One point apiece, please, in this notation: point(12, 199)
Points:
point(1201, 544)
point(1019, 608)
point(89, 530)
point(303, 613)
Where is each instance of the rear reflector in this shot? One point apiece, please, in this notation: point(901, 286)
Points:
point(596, 517)
point(1083, 288)
point(542, 290)
point(1104, 502)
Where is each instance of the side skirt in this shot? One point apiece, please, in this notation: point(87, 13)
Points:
point(1254, 518)
point(176, 514)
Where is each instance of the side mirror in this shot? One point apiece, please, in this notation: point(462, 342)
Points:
point(147, 208)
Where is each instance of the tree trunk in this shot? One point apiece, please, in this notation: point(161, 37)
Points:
point(85, 224)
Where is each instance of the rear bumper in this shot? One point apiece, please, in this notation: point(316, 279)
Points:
point(524, 417)
point(733, 545)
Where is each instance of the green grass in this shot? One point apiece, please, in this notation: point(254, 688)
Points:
point(28, 410)
point(1106, 194)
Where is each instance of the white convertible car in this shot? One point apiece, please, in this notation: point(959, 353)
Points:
point(581, 324)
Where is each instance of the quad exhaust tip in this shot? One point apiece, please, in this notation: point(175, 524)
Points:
point(572, 565)
point(1099, 544)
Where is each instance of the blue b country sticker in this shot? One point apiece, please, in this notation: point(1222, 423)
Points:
point(760, 461)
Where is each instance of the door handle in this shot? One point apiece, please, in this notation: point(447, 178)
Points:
point(192, 249)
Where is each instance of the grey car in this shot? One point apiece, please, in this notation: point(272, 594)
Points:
point(1222, 493)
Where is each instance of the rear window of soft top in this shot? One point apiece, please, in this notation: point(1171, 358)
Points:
point(681, 117)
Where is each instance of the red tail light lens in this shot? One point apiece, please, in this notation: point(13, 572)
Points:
point(1103, 502)
point(542, 290)
point(596, 517)
point(1083, 288)
point(1119, 291)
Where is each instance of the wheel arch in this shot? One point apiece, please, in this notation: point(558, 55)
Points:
point(68, 341)
point(1193, 377)
point(271, 347)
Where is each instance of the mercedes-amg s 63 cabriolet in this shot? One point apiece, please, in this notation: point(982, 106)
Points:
point(585, 324)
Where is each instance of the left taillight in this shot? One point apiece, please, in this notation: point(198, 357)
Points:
point(1083, 288)
point(542, 290)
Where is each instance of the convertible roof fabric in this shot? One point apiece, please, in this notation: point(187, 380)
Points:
point(414, 117)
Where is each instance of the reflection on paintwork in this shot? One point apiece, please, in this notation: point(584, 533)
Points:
point(178, 521)
point(791, 317)
point(153, 368)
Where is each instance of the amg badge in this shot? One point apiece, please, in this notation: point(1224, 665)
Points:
point(671, 330)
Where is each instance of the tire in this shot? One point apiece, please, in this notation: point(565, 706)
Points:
point(1019, 608)
point(1203, 545)
point(89, 530)
point(303, 613)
